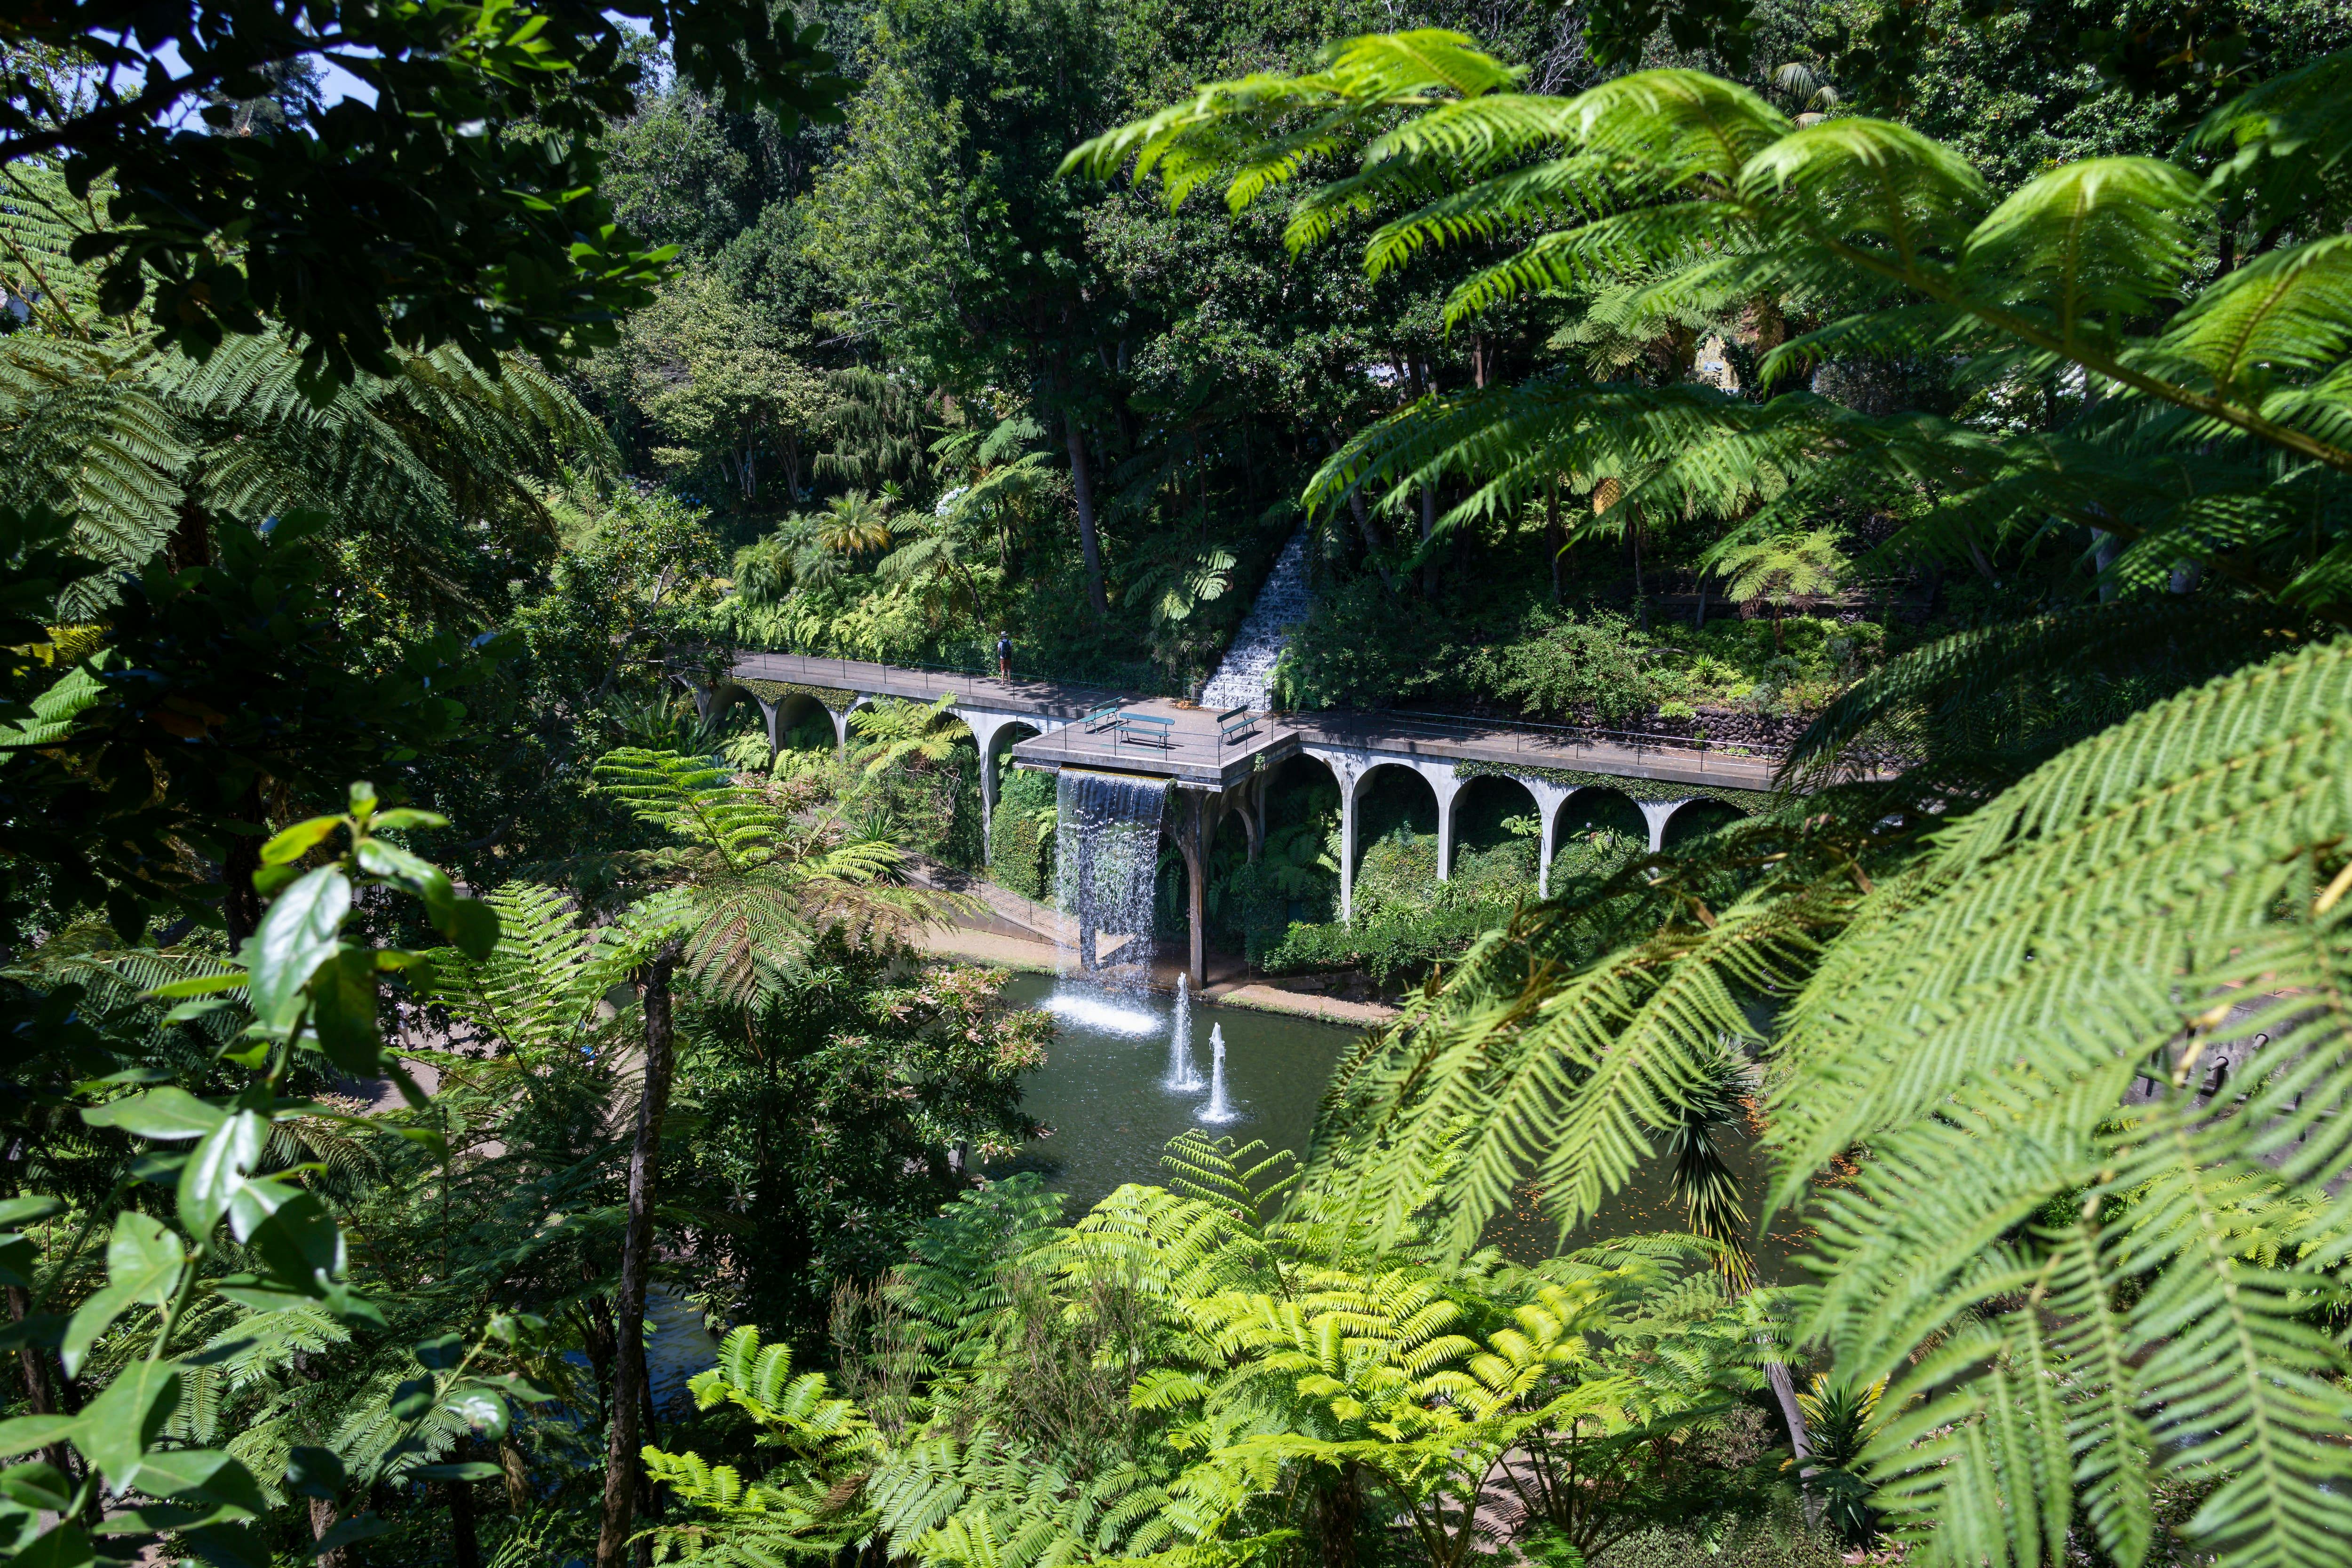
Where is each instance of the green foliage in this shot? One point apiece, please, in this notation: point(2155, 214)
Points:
point(806, 1505)
point(839, 1112)
point(484, 112)
point(1021, 848)
point(251, 1240)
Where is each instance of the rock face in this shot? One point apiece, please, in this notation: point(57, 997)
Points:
point(1243, 679)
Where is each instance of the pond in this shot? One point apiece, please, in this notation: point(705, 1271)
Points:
point(1104, 1089)
point(1104, 1093)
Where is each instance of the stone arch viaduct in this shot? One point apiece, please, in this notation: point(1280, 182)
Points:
point(1216, 773)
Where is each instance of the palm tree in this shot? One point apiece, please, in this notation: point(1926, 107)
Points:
point(853, 524)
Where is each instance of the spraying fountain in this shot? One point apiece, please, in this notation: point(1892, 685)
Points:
point(1181, 1075)
point(1217, 1109)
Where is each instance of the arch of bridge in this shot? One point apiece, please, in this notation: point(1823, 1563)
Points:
point(1352, 765)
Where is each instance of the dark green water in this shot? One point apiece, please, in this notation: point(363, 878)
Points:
point(1104, 1088)
point(1104, 1091)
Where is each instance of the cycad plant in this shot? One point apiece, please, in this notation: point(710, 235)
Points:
point(1988, 965)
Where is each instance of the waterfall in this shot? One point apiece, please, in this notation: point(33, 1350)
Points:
point(1246, 673)
point(1217, 1109)
point(1181, 1073)
point(1105, 859)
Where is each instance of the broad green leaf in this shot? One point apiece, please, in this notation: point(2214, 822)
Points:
point(406, 817)
point(67, 1546)
point(164, 1114)
point(297, 840)
point(314, 1472)
point(344, 1011)
point(300, 1242)
point(440, 1353)
point(17, 1210)
point(359, 1526)
point(26, 1433)
point(413, 1398)
point(420, 876)
point(37, 1485)
point(471, 1470)
point(18, 1258)
point(300, 931)
point(363, 797)
point(200, 985)
point(474, 927)
point(231, 1546)
point(217, 1168)
point(144, 1260)
point(480, 1409)
point(204, 1474)
point(117, 1427)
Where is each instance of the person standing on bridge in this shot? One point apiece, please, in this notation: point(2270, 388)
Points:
point(1004, 655)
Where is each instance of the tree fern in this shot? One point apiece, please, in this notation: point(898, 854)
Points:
point(1888, 238)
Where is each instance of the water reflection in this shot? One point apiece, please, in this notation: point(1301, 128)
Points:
point(1104, 1089)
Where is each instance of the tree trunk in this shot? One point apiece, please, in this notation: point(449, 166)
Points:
point(41, 1398)
point(1428, 532)
point(464, 1544)
point(622, 1456)
point(1335, 1507)
point(191, 544)
point(1369, 530)
point(518, 1474)
point(322, 1520)
point(240, 903)
point(1082, 487)
point(1553, 536)
point(1800, 1442)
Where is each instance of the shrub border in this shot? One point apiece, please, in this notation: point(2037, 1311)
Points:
point(773, 692)
point(1653, 790)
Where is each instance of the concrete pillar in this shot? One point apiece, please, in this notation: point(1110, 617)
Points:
point(1195, 823)
point(1251, 800)
point(1347, 848)
point(1447, 785)
point(1549, 798)
point(1657, 813)
point(985, 726)
point(768, 715)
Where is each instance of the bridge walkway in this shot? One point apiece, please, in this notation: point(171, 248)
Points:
point(1218, 772)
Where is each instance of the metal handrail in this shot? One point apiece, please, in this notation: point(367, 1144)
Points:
point(1525, 735)
point(979, 670)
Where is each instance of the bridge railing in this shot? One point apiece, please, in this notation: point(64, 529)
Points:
point(1535, 742)
point(1133, 680)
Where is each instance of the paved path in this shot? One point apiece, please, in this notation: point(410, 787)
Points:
point(1056, 699)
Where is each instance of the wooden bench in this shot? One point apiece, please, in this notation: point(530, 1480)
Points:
point(1147, 729)
point(1102, 718)
point(1234, 723)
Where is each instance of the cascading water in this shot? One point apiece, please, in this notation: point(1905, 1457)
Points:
point(1217, 1109)
point(1105, 857)
point(1181, 1075)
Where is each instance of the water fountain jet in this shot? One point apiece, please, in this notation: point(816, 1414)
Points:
point(1181, 1073)
point(1218, 1109)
